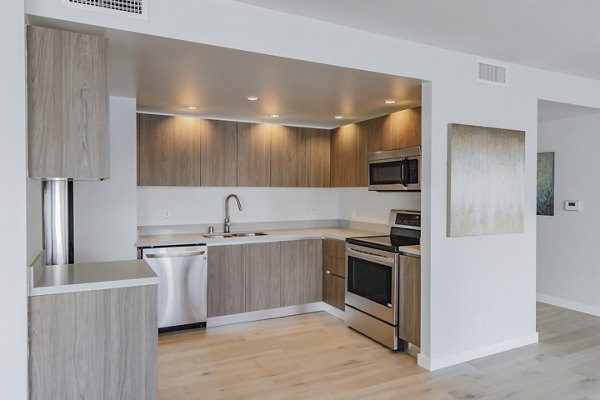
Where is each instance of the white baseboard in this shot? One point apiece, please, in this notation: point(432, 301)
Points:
point(433, 364)
point(264, 314)
point(336, 312)
point(568, 304)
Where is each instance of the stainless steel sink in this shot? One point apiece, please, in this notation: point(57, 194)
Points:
point(233, 235)
point(245, 234)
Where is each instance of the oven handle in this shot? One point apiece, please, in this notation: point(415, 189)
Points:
point(387, 261)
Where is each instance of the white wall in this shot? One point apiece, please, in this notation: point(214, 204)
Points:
point(104, 213)
point(481, 291)
point(13, 203)
point(187, 205)
point(358, 204)
point(205, 205)
point(567, 243)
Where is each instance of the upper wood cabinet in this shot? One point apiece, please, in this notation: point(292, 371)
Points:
point(68, 105)
point(349, 148)
point(254, 154)
point(395, 131)
point(169, 151)
point(178, 151)
point(219, 153)
point(288, 156)
point(318, 157)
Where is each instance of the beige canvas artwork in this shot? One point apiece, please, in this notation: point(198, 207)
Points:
point(486, 180)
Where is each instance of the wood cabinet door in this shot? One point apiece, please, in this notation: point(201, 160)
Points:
point(253, 155)
point(168, 150)
point(334, 257)
point(68, 134)
point(394, 131)
point(318, 157)
point(262, 271)
point(349, 148)
point(334, 291)
point(226, 280)
point(301, 280)
point(288, 156)
point(219, 153)
point(410, 300)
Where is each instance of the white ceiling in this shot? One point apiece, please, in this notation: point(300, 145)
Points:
point(166, 75)
point(558, 35)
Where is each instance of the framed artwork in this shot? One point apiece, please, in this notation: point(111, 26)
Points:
point(545, 183)
point(486, 180)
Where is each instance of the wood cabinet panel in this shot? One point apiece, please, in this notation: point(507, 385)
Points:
point(254, 155)
point(334, 272)
point(68, 134)
point(334, 257)
point(334, 291)
point(410, 300)
point(99, 344)
point(288, 156)
point(301, 280)
point(349, 148)
point(318, 157)
point(219, 153)
point(394, 131)
point(405, 127)
point(226, 280)
point(168, 151)
point(262, 271)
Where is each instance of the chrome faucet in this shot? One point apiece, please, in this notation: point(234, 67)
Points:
point(226, 225)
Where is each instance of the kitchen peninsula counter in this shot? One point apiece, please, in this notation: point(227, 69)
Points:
point(70, 278)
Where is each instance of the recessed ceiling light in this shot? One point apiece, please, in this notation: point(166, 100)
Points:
point(390, 101)
point(191, 107)
point(252, 98)
point(274, 115)
point(339, 117)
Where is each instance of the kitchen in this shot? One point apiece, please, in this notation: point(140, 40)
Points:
point(176, 151)
point(456, 327)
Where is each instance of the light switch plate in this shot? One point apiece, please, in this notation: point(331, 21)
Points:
point(572, 205)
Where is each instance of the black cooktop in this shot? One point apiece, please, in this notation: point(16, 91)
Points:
point(392, 242)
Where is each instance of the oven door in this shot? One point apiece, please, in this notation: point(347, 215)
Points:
point(371, 282)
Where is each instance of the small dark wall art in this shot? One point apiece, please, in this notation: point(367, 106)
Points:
point(545, 183)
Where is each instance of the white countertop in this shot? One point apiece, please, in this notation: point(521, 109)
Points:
point(69, 278)
point(272, 236)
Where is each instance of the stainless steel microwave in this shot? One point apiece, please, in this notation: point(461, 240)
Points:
point(395, 170)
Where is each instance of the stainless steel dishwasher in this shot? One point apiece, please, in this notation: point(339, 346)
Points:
point(182, 291)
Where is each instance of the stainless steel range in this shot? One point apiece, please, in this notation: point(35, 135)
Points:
point(372, 273)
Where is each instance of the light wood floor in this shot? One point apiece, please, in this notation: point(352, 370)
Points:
point(315, 356)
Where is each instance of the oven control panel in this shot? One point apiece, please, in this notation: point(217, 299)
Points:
point(408, 219)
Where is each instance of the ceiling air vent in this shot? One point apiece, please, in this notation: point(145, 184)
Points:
point(124, 8)
point(491, 72)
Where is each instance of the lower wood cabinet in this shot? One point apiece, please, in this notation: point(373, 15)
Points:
point(226, 284)
point(99, 344)
point(410, 299)
point(259, 276)
point(301, 281)
point(334, 273)
point(262, 270)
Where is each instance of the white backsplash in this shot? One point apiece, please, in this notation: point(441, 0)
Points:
point(205, 205)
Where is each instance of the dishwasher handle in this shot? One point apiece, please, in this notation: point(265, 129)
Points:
point(171, 255)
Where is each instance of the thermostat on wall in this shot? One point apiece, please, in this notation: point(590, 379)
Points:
point(572, 205)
